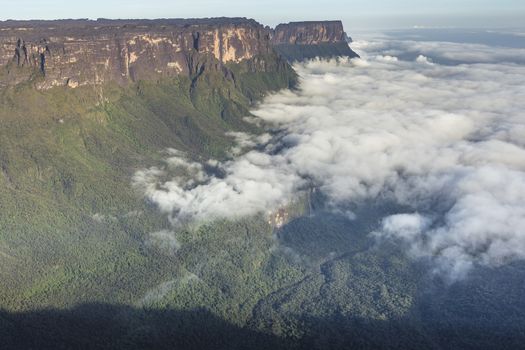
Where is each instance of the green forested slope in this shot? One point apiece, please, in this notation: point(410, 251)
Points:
point(76, 271)
point(71, 227)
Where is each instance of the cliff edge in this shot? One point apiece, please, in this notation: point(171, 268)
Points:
point(77, 53)
point(298, 41)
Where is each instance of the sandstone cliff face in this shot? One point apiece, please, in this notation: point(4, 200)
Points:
point(297, 41)
point(82, 52)
point(77, 53)
point(309, 33)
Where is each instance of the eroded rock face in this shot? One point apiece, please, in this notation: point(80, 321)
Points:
point(309, 33)
point(299, 41)
point(77, 53)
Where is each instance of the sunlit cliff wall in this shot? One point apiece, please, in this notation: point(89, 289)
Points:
point(77, 53)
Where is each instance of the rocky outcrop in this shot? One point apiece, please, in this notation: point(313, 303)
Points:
point(82, 52)
point(309, 33)
point(297, 41)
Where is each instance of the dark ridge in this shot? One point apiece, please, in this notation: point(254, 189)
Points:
point(105, 326)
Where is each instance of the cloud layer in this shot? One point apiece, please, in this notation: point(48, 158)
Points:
point(447, 141)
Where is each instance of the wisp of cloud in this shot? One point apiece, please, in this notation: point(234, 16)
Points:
point(445, 141)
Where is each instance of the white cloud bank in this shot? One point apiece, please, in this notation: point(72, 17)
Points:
point(446, 141)
point(445, 52)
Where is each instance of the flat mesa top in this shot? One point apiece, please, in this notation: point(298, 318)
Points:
point(101, 24)
point(312, 22)
point(120, 22)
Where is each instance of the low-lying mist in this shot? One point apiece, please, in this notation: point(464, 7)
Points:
point(443, 142)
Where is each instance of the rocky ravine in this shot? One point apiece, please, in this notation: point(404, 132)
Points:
point(81, 52)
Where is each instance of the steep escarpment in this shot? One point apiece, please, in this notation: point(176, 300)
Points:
point(309, 33)
point(78, 53)
point(297, 41)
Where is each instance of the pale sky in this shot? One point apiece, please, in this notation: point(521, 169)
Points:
point(355, 13)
